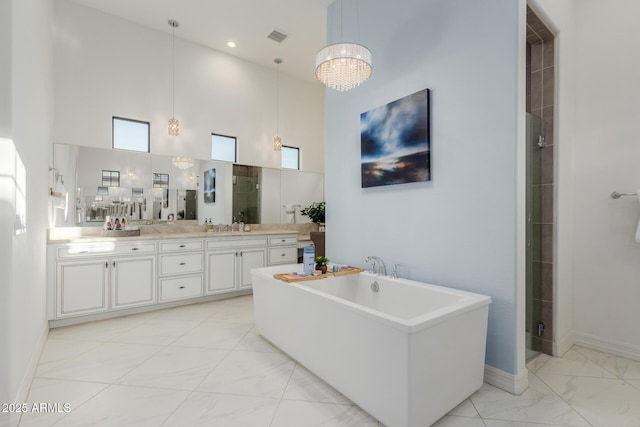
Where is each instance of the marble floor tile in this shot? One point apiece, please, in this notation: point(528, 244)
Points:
point(250, 374)
point(632, 372)
point(252, 341)
point(104, 364)
point(614, 364)
point(123, 406)
point(502, 423)
point(465, 409)
point(537, 404)
point(240, 312)
point(242, 302)
point(535, 364)
point(179, 368)
point(156, 331)
point(218, 335)
point(634, 383)
point(604, 402)
point(58, 351)
point(210, 409)
point(100, 330)
point(301, 414)
point(197, 312)
point(573, 363)
point(304, 385)
point(60, 392)
point(141, 370)
point(457, 421)
point(237, 310)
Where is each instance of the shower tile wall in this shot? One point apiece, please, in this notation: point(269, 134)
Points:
point(540, 99)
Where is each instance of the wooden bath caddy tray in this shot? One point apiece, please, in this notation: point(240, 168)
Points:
point(289, 277)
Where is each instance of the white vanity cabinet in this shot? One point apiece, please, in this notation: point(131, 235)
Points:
point(230, 260)
point(133, 281)
point(181, 269)
point(99, 279)
point(95, 278)
point(283, 249)
point(82, 287)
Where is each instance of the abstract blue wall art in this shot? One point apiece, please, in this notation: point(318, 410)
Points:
point(395, 145)
point(210, 186)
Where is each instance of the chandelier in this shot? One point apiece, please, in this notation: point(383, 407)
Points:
point(343, 66)
point(277, 141)
point(182, 162)
point(174, 124)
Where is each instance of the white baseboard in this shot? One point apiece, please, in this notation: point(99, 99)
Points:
point(560, 347)
point(514, 384)
point(617, 348)
point(25, 384)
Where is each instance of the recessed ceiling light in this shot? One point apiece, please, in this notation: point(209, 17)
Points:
point(231, 44)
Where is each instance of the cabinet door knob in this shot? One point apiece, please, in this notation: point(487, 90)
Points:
point(240, 253)
point(182, 246)
point(114, 264)
point(183, 263)
point(181, 287)
point(106, 264)
point(283, 240)
point(282, 254)
point(134, 249)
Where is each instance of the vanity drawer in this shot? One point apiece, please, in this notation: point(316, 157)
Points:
point(180, 264)
point(180, 288)
point(283, 240)
point(236, 243)
point(283, 255)
point(189, 245)
point(108, 249)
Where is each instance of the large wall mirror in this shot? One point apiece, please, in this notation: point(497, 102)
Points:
point(149, 188)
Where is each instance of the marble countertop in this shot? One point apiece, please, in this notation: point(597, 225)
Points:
point(66, 238)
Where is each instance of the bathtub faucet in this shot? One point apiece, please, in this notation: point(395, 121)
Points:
point(381, 268)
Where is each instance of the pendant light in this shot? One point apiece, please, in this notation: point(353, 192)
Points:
point(174, 124)
point(277, 141)
point(343, 66)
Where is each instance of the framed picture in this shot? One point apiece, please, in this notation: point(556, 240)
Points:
point(210, 186)
point(395, 145)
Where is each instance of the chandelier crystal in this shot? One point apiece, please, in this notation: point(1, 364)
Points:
point(182, 162)
point(343, 66)
point(174, 124)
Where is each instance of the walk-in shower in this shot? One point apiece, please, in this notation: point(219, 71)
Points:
point(540, 185)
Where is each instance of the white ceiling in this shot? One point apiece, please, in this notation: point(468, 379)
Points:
point(213, 23)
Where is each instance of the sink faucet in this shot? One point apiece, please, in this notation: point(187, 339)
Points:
point(381, 268)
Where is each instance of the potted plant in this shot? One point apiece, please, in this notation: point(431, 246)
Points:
point(321, 263)
point(315, 212)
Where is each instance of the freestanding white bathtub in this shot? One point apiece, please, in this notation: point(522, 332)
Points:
point(406, 354)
